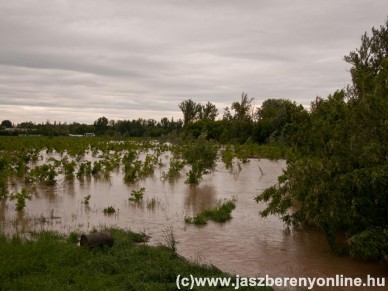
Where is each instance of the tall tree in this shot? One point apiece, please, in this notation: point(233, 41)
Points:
point(101, 124)
point(190, 110)
point(208, 112)
point(340, 182)
point(243, 109)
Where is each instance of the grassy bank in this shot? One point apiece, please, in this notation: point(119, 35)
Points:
point(49, 261)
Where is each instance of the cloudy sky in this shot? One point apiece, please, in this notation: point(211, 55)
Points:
point(77, 60)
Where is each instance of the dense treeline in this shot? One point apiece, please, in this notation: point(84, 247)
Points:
point(274, 121)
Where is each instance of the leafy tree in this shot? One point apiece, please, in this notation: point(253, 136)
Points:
point(340, 182)
point(6, 124)
point(190, 110)
point(243, 109)
point(279, 119)
point(208, 112)
point(101, 124)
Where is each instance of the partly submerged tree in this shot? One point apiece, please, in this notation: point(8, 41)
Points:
point(340, 183)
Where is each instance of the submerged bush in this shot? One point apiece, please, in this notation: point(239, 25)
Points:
point(137, 195)
point(221, 213)
point(371, 244)
point(201, 156)
point(20, 198)
point(109, 210)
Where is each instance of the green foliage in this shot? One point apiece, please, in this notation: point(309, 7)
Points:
point(200, 155)
point(20, 198)
point(137, 195)
point(44, 174)
point(227, 156)
point(176, 165)
point(69, 168)
point(50, 261)
point(339, 182)
point(371, 244)
point(221, 213)
point(84, 169)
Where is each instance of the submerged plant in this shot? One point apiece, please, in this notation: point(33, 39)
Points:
point(109, 210)
point(201, 156)
point(86, 199)
point(68, 168)
point(20, 198)
point(137, 195)
point(221, 213)
point(227, 156)
point(84, 169)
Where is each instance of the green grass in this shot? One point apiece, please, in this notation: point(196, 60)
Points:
point(50, 261)
point(221, 213)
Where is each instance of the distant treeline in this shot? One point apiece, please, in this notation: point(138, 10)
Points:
point(275, 120)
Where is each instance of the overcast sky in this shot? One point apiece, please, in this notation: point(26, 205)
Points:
point(78, 60)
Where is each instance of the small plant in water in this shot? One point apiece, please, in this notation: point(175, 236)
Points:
point(137, 195)
point(86, 200)
point(109, 210)
point(20, 198)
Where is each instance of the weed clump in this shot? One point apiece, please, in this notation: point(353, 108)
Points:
point(20, 198)
point(221, 213)
point(137, 195)
point(109, 210)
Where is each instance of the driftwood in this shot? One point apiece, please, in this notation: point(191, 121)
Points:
point(98, 239)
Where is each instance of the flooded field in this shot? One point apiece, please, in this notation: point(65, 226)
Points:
point(247, 245)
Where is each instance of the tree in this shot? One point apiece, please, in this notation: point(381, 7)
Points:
point(190, 110)
point(367, 61)
point(101, 125)
point(280, 120)
point(243, 109)
point(340, 181)
point(6, 124)
point(208, 112)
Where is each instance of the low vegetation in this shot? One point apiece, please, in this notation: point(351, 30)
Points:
point(109, 210)
point(221, 213)
point(49, 261)
point(137, 195)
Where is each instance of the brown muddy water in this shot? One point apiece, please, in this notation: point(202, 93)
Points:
point(247, 245)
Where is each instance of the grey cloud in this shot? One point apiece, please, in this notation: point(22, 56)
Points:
point(123, 58)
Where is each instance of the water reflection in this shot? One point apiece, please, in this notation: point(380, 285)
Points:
point(199, 198)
